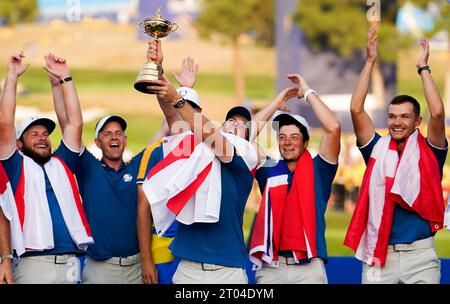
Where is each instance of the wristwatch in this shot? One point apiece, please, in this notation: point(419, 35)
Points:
point(179, 104)
point(423, 68)
point(66, 79)
point(6, 256)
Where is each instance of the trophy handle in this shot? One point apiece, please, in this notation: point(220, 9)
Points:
point(140, 27)
point(173, 27)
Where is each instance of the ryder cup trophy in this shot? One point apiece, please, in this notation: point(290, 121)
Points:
point(157, 28)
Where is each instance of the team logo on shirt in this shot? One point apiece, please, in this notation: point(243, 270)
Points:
point(127, 178)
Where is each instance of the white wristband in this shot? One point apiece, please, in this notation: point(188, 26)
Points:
point(309, 92)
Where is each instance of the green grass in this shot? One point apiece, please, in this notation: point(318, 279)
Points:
point(258, 86)
point(35, 80)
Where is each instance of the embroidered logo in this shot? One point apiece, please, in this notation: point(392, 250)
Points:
point(127, 178)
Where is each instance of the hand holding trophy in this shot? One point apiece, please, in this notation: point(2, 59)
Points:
point(156, 27)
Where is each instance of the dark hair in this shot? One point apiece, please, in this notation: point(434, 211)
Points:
point(288, 120)
point(406, 98)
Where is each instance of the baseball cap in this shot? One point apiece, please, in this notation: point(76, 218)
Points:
point(244, 112)
point(239, 110)
point(101, 123)
point(33, 121)
point(281, 116)
point(190, 95)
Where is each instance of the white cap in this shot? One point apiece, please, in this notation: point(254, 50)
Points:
point(190, 95)
point(107, 119)
point(32, 121)
point(279, 116)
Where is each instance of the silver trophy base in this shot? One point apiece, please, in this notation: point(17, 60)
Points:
point(149, 71)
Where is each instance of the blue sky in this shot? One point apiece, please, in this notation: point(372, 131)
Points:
point(61, 5)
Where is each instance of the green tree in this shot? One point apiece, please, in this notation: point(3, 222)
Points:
point(18, 11)
point(232, 19)
point(341, 26)
point(442, 23)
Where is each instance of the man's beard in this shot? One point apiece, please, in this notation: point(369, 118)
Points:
point(40, 159)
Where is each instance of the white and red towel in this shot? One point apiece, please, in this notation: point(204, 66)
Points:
point(186, 184)
point(28, 211)
point(411, 180)
point(7, 203)
point(286, 220)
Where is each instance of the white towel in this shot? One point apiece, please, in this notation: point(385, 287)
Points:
point(35, 233)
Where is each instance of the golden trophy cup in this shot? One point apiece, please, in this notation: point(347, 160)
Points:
point(156, 27)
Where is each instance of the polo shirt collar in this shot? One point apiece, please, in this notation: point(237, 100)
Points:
point(105, 165)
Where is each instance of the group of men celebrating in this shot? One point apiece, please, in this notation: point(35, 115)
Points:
point(174, 213)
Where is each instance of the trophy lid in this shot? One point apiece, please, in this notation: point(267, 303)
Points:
point(157, 26)
point(158, 14)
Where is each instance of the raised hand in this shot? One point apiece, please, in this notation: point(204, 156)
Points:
point(371, 47)
point(423, 59)
point(188, 74)
point(54, 81)
point(154, 52)
point(56, 66)
point(15, 66)
point(164, 90)
point(299, 83)
point(284, 96)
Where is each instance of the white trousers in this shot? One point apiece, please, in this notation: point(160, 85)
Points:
point(48, 269)
point(413, 263)
point(288, 272)
point(190, 272)
point(112, 271)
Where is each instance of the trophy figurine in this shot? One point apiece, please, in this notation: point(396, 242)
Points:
point(157, 28)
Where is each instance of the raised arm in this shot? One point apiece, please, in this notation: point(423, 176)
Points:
point(144, 228)
point(330, 145)
point(73, 120)
point(154, 52)
point(8, 105)
point(188, 74)
point(201, 126)
point(58, 101)
point(363, 125)
point(436, 121)
point(279, 103)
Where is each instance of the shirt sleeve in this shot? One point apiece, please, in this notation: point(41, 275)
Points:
point(149, 158)
point(366, 150)
point(440, 154)
point(262, 174)
point(69, 156)
point(324, 173)
point(13, 168)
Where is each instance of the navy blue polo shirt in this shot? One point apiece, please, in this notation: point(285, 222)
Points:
point(407, 226)
point(324, 173)
point(110, 203)
point(220, 243)
point(61, 236)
